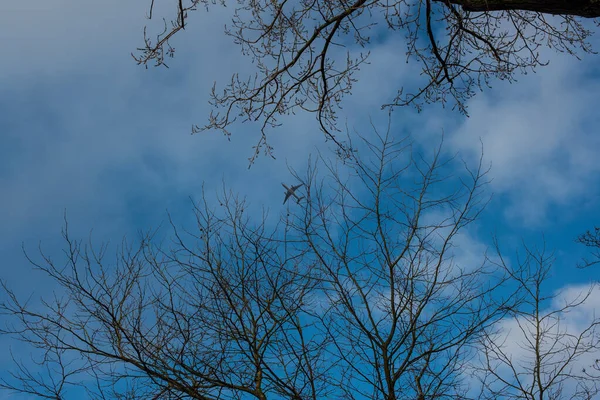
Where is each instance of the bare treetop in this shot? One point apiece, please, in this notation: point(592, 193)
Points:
point(357, 292)
point(460, 46)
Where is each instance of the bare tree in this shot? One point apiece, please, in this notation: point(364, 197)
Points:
point(403, 316)
point(298, 50)
point(539, 353)
point(217, 318)
point(358, 292)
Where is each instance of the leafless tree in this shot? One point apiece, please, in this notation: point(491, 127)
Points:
point(403, 315)
point(298, 50)
point(539, 353)
point(216, 318)
point(358, 292)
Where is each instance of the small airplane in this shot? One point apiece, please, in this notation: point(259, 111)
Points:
point(291, 191)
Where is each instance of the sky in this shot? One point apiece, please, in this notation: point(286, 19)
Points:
point(85, 130)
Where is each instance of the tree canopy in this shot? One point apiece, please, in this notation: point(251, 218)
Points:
point(303, 58)
point(362, 291)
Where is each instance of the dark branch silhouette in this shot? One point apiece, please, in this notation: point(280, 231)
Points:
point(307, 52)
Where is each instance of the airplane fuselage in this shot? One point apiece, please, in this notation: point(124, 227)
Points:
point(291, 191)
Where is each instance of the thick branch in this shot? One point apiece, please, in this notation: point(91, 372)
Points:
point(582, 8)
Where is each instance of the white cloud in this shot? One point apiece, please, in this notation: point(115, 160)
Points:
point(87, 130)
point(109, 137)
point(560, 332)
point(540, 136)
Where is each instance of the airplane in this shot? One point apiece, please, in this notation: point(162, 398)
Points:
point(291, 191)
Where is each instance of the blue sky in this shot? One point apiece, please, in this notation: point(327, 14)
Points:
point(83, 128)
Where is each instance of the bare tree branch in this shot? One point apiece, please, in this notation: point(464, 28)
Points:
point(591, 239)
point(307, 52)
point(580, 8)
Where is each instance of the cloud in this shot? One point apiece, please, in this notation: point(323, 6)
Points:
point(540, 137)
point(565, 340)
point(84, 128)
point(87, 130)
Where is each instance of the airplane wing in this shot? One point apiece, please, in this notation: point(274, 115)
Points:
point(296, 187)
point(287, 196)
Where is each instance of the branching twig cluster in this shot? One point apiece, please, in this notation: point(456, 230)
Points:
point(307, 52)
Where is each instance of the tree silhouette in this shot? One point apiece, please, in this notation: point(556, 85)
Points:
point(307, 52)
point(356, 292)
